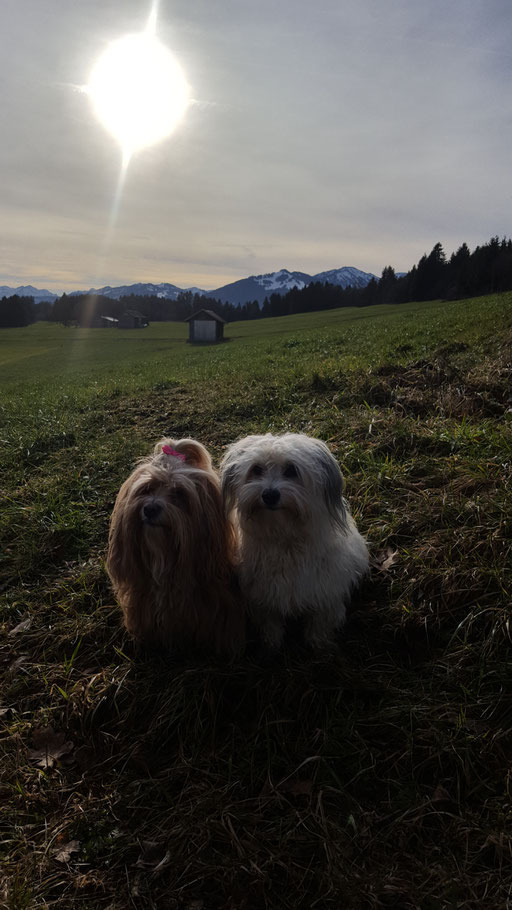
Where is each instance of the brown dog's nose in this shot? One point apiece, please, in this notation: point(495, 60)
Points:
point(151, 510)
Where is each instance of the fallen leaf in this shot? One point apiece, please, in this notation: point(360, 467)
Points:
point(63, 854)
point(16, 664)
point(163, 862)
point(21, 627)
point(441, 795)
point(154, 857)
point(297, 787)
point(49, 747)
point(384, 560)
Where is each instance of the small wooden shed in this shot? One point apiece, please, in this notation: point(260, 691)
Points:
point(132, 319)
point(205, 327)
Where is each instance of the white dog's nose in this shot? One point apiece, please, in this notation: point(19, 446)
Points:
point(271, 497)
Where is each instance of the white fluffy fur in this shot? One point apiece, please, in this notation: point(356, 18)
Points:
point(300, 550)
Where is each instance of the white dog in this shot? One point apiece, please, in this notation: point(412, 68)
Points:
point(300, 550)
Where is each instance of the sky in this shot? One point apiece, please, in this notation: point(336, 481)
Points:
point(340, 133)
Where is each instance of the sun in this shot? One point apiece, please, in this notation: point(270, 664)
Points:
point(138, 91)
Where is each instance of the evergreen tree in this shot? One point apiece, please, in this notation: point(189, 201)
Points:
point(387, 286)
point(16, 312)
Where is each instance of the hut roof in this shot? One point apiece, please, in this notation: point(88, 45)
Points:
point(209, 313)
point(136, 313)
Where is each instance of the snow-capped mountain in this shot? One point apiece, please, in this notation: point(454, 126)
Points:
point(28, 291)
point(256, 287)
point(164, 291)
point(345, 276)
point(283, 281)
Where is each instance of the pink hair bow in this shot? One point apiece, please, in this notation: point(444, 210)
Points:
point(168, 451)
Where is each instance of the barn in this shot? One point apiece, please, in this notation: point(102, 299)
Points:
point(205, 327)
point(132, 319)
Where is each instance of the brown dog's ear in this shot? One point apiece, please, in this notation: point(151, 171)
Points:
point(218, 535)
point(195, 453)
point(123, 555)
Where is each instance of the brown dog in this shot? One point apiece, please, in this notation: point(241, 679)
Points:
point(171, 552)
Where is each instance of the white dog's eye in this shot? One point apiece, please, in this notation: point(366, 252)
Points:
point(257, 470)
point(290, 471)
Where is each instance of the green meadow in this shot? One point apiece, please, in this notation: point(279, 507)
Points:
point(377, 778)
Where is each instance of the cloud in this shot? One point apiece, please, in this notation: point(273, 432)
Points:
point(346, 134)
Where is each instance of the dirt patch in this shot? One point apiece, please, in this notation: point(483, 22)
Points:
point(437, 386)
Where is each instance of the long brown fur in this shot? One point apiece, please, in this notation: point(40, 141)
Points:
point(172, 573)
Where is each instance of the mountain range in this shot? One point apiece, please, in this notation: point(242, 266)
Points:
point(256, 287)
point(28, 291)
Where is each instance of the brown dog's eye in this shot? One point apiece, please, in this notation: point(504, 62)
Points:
point(179, 498)
point(290, 471)
point(257, 470)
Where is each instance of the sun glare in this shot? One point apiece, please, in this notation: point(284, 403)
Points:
point(138, 90)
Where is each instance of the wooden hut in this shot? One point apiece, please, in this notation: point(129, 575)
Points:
point(205, 327)
point(132, 319)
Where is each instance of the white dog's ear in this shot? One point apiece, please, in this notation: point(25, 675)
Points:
point(195, 453)
point(228, 472)
point(332, 484)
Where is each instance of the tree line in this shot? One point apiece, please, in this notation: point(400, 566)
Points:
point(17, 311)
point(486, 270)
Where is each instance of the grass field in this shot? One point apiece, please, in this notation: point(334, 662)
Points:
point(377, 779)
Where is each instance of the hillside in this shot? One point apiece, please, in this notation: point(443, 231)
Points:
point(375, 779)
